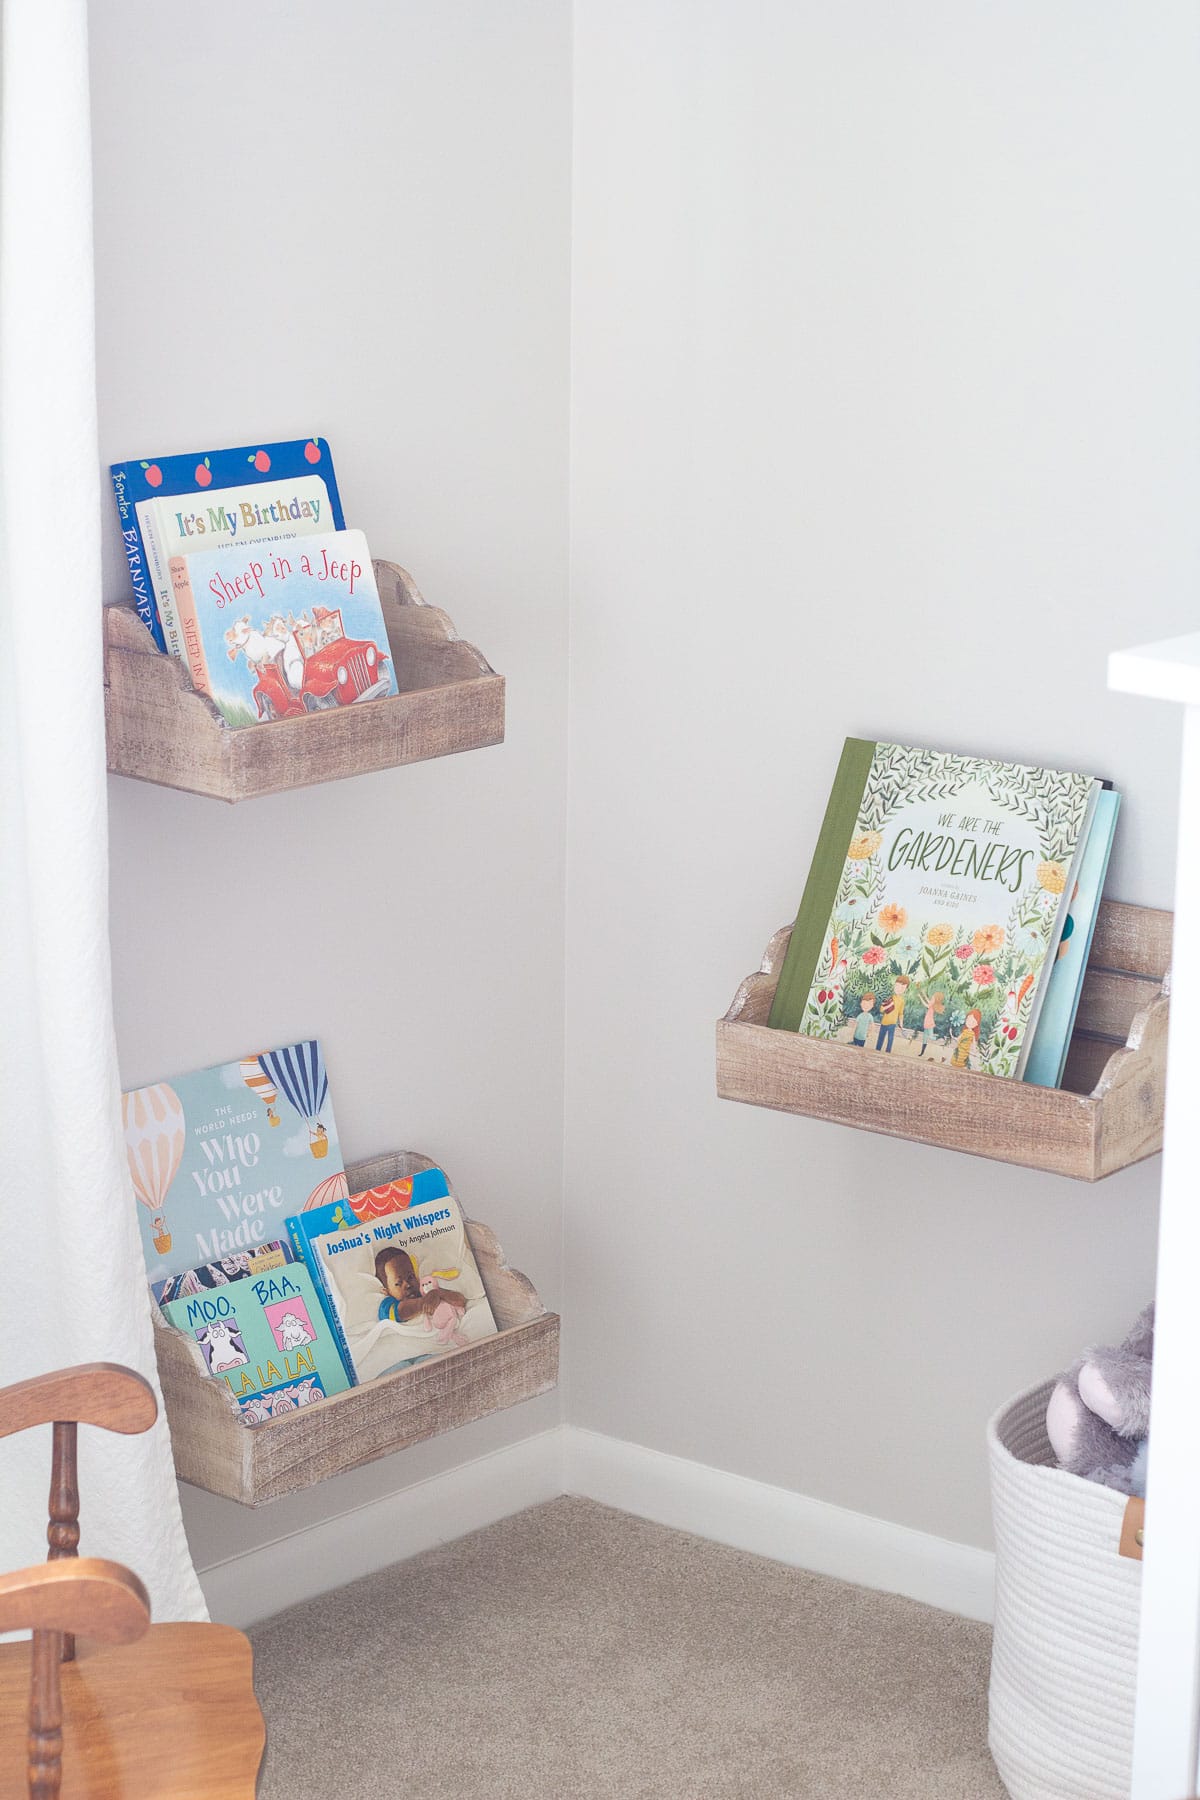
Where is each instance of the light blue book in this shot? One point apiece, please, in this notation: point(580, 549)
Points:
point(221, 1158)
point(1052, 1038)
point(275, 630)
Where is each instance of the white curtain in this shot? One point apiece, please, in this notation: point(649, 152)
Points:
point(72, 1287)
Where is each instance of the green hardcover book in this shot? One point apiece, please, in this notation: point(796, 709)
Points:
point(934, 903)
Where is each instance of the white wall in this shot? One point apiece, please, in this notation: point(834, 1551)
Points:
point(883, 422)
point(354, 220)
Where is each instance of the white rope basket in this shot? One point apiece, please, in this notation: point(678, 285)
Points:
point(1064, 1653)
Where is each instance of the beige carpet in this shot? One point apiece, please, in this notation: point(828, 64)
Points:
point(576, 1653)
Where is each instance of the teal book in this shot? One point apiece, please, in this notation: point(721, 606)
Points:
point(934, 905)
point(267, 1339)
point(220, 1158)
point(1052, 1039)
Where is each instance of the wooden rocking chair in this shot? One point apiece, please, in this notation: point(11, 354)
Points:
point(165, 1710)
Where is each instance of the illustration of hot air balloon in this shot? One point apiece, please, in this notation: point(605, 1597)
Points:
point(261, 1084)
point(334, 1187)
point(299, 1074)
point(154, 1130)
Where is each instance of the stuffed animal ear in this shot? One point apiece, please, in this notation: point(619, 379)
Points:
point(1140, 1339)
point(1116, 1387)
point(1064, 1420)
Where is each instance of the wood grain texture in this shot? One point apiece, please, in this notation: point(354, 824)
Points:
point(104, 1394)
point(160, 729)
point(84, 1594)
point(1084, 1135)
point(1135, 939)
point(215, 1451)
point(170, 1717)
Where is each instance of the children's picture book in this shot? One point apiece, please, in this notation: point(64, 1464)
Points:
point(276, 631)
point(221, 1157)
point(1052, 1039)
point(406, 1287)
point(275, 512)
point(266, 1338)
point(220, 1274)
point(934, 905)
point(345, 1211)
point(142, 481)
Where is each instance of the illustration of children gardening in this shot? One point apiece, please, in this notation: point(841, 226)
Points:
point(891, 1013)
point(968, 1038)
point(934, 1004)
point(864, 1021)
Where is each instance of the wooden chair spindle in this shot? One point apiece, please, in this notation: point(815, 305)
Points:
point(45, 1717)
point(62, 1533)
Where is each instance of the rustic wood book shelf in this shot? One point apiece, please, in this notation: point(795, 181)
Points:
point(254, 1464)
point(160, 729)
point(1107, 1114)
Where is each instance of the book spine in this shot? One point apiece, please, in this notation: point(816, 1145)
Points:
point(313, 1264)
point(1055, 938)
point(189, 625)
point(821, 888)
point(135, 556)
point(161, 583)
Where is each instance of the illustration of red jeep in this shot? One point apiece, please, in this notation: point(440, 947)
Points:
point(319, 668)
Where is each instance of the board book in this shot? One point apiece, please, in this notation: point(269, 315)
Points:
point(266, 1338)
point(346, 1211)
point(139, 483)
point(1052, 1039)
point(220, 1158)
point(220, 1274)
point(277, 631)
point(934, 905)
point(406, 1287)
point(275, 512)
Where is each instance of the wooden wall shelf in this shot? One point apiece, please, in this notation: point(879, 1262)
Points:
point(160, 729)
point(1107, 1114)
point(254, 1464)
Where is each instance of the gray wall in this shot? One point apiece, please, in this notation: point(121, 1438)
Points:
point(884, 421)
point(354, 220)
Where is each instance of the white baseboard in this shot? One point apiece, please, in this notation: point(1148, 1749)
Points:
point(729, 1509)
point(774, 1522)
point(340, 1549)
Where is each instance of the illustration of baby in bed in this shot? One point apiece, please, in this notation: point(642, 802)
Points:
point(406, 1297)
point(397, 1276)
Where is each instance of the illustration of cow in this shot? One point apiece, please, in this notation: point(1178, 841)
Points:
point(223, 1346)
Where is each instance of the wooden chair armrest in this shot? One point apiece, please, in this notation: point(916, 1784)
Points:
point(105, 1394)
point(83, 1595)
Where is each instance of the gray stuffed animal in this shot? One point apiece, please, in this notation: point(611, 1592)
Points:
point(1098, 1416)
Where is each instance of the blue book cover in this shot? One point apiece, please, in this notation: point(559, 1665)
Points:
point(139, 482)
point(346, 1212)
point(1052, 1039)
point(220, 1158)
point(275, 631)
point(266, 1339)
